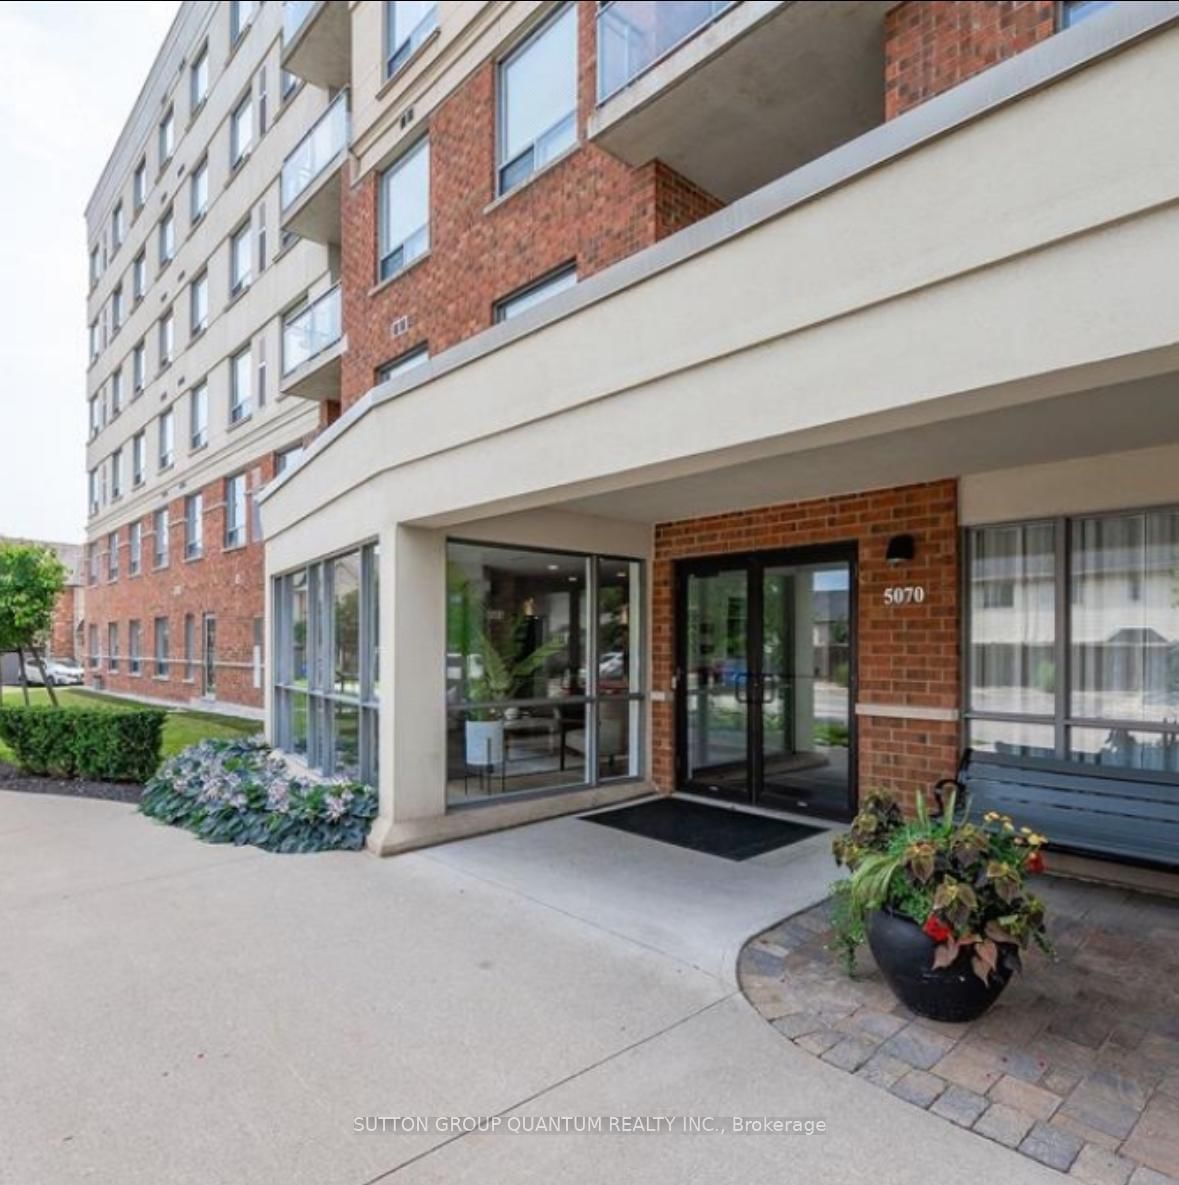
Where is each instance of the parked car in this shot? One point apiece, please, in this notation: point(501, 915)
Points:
point(61, 672)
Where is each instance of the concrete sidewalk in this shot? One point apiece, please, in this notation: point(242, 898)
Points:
point(183, 1013)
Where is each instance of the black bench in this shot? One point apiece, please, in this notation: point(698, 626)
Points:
point(1092, 810)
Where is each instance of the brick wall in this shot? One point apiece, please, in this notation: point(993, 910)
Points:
point(61, 633)
point(588, 208)
point(230, 584)
point(908, 655)
point(932, 45)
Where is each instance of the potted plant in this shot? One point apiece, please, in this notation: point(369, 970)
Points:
point(942, 902)
point(498, 675)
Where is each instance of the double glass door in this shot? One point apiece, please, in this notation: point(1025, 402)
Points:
point(765, 678)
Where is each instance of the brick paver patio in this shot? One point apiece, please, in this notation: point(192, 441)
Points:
point(1077, 1066)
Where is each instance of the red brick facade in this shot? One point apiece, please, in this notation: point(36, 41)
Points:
point(228, 583)
point(908, 655)
point(932, 45)
point(588, 208)
point(62, 642)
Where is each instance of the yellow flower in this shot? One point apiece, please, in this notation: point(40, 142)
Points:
point(1008, 825)
point(990, 816)
point(1025, 831)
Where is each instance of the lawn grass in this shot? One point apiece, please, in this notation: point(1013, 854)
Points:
point(181, 729)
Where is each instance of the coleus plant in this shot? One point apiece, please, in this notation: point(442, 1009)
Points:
point(964, 883)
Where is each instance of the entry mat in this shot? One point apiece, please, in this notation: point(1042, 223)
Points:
point(733, 835)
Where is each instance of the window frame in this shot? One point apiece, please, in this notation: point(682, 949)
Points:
point(194, 525)
point(197, 94)
point(134, 646)
point(239, 282)
point(500, 309)
point(236, 498)
point(165, 458)
point(160, 554)
point(387, 252)
point(166, 137)
point(166, 238)
point(241, 409)
point(239, 151)
point(199, 284)
point(399, 54)
point(138, 458)
point(200, 173)
point(198, 397)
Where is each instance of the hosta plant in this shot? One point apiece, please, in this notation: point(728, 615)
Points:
point(964, 883)
point(241, 792)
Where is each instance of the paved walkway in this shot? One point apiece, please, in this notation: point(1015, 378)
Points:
point(1077, 1066)
point(176, 1012)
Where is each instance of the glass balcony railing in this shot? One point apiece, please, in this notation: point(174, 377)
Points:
point(634, 34)
point(294, 17)
point(311, 331)
point(322, 145)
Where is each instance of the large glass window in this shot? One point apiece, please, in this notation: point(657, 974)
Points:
point(543, 670)
point(405, 210)
point(407, 25)
point(1074, 639)
point(326, 622)
point(538, 100)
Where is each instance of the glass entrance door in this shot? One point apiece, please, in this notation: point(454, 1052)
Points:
point(765, 677)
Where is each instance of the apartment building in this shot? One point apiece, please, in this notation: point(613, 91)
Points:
point(191, 276)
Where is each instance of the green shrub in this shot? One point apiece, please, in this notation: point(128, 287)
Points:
point(107, 746)
point(240, 792)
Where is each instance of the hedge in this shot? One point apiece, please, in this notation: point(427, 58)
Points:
point(242, 792)
point(106, 746)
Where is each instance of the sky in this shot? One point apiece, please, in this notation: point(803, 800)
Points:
point(69, 74)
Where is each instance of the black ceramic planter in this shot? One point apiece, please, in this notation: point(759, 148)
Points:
point(904, 954)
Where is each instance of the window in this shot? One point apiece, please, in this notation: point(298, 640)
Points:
point(166, 441)
point(289, 84)
point(117, 473)
point(112, 646)
point(189, 647)
point(407, 24)
point(1072, 12)
point(92, 494)
point(527, 298)
point(167, 338)
point(117, 307)
point(198, 416)
point(95, 266)
point(405, 210)
point(167, 238)
point(138, 458)
point(261, 237)
point(116, 391)
point(133, 649)
point(241, 131)
point(160, 547)
point(198, 304)
point(262, 102)
point(95, 422)
point(260, 390)
point(239, 259)
point(285, 458)
point(194, 513)
point(407, 361)
point(241, 13)
point(538, 100)
point(166, 138)
point(240, 401)
point(139, 185)
point(92, 646)
point(138, 367)
point(198, 190)
point(135, 548)
point(94, 346)
point(235, 510)
point(576, 672)
point(198, 79)
point(139, 276)
point(160, 630)
point(112, 556)
point(1085, 672)
point(118, 227)
point(326, 663)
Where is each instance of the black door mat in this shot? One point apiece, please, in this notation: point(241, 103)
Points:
point(733, 835)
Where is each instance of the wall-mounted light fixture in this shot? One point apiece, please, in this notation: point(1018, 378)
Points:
point(901, 549)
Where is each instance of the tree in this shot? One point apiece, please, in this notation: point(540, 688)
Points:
point(31, 581)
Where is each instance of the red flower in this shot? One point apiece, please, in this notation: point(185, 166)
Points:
point(936, 928)
point(1034, 862)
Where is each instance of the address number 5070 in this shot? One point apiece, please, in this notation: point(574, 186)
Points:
point(904, 594)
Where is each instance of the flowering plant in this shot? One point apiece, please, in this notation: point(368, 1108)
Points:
point(963, 883)
point(241, 792)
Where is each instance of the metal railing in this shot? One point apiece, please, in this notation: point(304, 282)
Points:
point(326, 140)
point(294, 17)
point(634, 34)
point(311, 331)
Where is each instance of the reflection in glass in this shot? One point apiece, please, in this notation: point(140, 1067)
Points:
point(1013, 619)
point(346, 624)
point(346, 735)
point(298, 725)
point(1125, 618)
point(1127, 748)
point(1013, 738)
point(298, 642)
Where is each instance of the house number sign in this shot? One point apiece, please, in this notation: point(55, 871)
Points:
point(904, 594)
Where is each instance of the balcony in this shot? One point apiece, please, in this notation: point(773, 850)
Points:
point(312, 343)
point(735, 95)
point(310, 176)
point(317, 41)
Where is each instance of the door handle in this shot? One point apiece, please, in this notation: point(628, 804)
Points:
point(769, 688)
point(739, 682)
